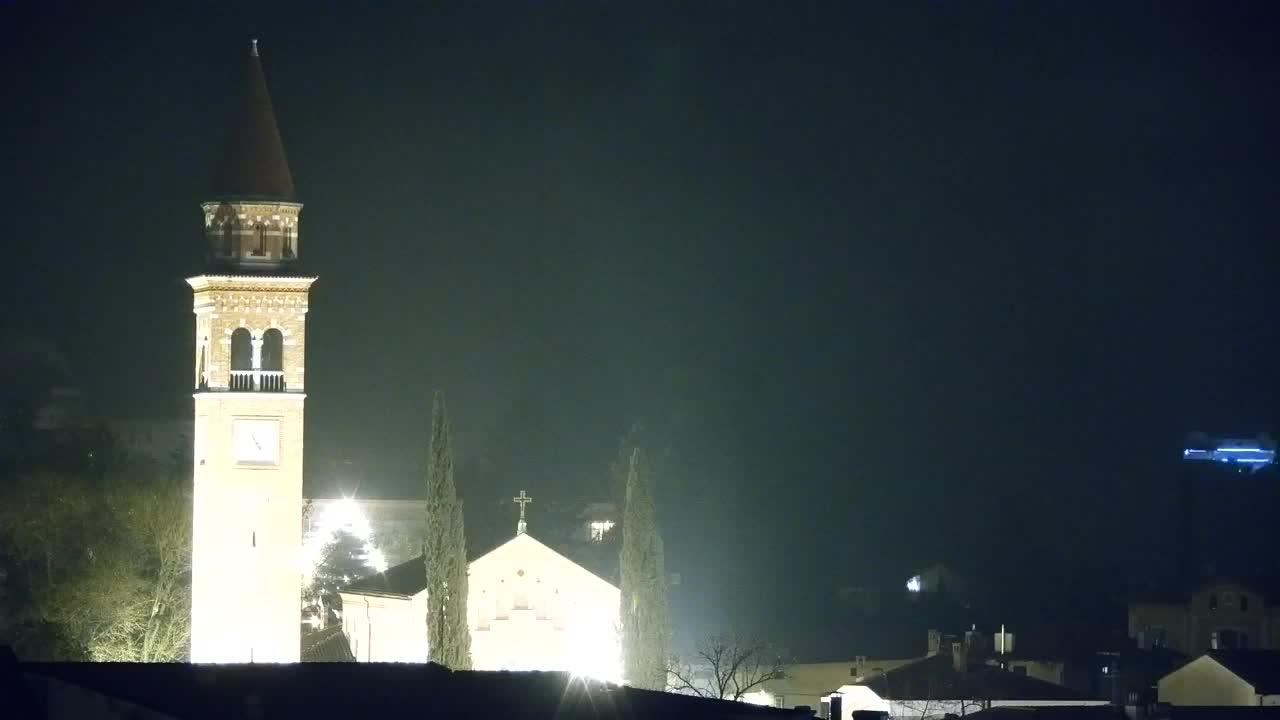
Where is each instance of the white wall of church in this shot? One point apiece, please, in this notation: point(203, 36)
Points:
point(386, 629)
point(531, 608)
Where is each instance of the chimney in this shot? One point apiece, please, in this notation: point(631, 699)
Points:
point(935, 642)
point(959, 657)
point(975, 642)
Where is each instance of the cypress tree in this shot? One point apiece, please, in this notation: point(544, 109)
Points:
point(448, 636)
point(645, 626)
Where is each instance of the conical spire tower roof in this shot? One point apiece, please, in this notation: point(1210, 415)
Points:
point(254, 166)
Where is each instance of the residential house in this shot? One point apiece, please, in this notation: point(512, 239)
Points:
point(1222, 614)
point(1225, 678)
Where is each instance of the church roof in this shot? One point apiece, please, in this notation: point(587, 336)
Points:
point(404, 580)
point(254, 165)
point(410, 577)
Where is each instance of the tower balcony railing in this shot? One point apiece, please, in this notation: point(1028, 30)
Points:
point(257, 381)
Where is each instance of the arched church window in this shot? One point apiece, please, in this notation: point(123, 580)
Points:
point(241, 350)
point(262, 240)
point(201, 381)
point(287, 249)
point(228, 238)
point(273, 350)
point(241, 360)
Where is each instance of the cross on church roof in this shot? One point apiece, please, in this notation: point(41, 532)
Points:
point(522, 500)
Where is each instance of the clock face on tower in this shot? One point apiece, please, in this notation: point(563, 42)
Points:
point(257, 441)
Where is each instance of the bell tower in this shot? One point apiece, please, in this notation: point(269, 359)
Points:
point(249, 389)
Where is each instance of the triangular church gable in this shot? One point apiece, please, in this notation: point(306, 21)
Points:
point(525, 548)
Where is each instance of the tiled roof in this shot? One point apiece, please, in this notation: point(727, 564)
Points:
point(1259, 668)
point(328, 645)
point(936, 678)
point(254, 166)
point(404, 580)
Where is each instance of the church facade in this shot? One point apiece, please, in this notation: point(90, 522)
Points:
point(528, 608)
point(249, 389)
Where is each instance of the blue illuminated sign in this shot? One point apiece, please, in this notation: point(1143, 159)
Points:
point(1245, 452)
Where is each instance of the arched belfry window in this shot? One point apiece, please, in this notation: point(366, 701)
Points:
point(241, 350)
point(261, 232)
point(228, 238)
point(273, 350)
point(286, 235)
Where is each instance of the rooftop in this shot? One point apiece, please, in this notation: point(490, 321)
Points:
point(345, 690)
point(254, 165)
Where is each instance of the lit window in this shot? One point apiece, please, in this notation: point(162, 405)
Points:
point(599, 528)
point(913, 585)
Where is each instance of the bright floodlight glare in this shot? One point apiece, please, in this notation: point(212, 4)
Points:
point(594, 650)
point(344, 515)
point(758, 697)
point(913, 585)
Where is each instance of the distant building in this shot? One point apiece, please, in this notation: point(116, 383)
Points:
point(953, 682)
point(806, 684)
point(1242, 455)
point(1222, 614)
point(1225, 678)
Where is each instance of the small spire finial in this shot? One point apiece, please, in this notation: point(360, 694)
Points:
point(253, 47)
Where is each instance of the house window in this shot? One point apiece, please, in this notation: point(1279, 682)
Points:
point(1244, 603)
point(1159, 637)
point(1228, 599)
point(1228, 640)
point(1213, 602)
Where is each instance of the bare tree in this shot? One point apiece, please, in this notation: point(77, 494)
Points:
point(727, 666)
point(106, 563)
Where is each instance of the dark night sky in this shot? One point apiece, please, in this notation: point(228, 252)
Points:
point(905, 281)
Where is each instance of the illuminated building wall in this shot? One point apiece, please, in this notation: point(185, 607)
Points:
point(531, 608)
point(528, 608)
point(249, 373)
point(247, 521)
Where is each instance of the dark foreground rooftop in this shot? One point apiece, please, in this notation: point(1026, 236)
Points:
point(332, 690)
